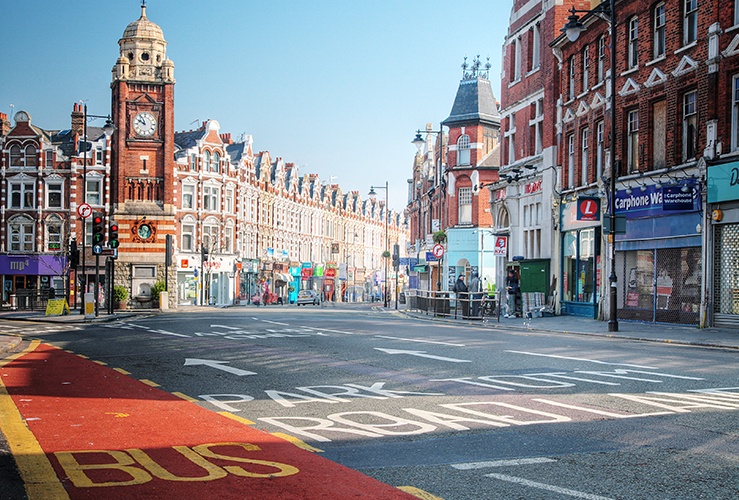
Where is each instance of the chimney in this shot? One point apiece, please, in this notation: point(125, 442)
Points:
point(78, 119)
point(4, 125)
point(226, 138)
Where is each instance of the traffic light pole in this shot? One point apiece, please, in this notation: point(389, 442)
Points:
point(97, 284)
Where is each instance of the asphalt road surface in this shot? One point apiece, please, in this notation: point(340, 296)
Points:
point(444, 410)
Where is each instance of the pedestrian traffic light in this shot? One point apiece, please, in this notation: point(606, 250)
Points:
point(98, 232)
point(74, 255)
point(113, 235)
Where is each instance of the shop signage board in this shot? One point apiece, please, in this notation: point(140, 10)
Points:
point(723, 182)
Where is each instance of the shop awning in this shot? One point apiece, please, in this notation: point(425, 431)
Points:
point(283, 277)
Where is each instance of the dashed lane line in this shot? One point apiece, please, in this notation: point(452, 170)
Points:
point(503, 463)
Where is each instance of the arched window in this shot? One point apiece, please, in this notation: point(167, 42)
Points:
point(22, 234)
point(206, 161)
point(31, 156)
point(216, 167)
point(16, 156)
point(463, 150)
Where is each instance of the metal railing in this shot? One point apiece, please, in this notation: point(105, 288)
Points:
point(450, 304)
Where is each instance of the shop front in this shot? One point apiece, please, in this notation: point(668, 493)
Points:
point(723, 199)
point(658, 259)
point(581, 257)
point(28, 279)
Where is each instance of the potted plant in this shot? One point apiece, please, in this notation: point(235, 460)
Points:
point(156, 289)
point(120, 296)
point(440, 237)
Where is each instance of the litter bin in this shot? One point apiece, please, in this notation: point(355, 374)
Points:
point(14, 302)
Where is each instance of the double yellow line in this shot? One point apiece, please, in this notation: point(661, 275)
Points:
point(36, 471)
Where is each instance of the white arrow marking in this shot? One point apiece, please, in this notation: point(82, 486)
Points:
point(422, 354)
point(219, 365)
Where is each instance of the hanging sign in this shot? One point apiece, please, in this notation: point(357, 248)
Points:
point(501, 246)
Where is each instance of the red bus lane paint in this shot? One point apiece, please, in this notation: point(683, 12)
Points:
point(108, 435)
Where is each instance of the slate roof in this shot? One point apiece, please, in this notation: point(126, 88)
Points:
point(475, 102)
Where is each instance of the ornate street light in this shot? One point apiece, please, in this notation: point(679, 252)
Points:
point(372, 196)
point(108, 130)
point(573, 28)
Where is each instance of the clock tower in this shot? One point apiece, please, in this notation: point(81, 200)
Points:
point(142, 186)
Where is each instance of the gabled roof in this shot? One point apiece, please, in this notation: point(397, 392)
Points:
point(474, 103)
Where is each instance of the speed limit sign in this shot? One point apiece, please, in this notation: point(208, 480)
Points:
point(438, 250)
point(84, 210)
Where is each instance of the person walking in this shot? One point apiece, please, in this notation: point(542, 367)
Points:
point(513, 287)
point(460, 288)
point(475, 289)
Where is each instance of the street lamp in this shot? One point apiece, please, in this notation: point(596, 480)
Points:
point(419, 142)
point(572, 29)
point(385, 255)
point(108, 130)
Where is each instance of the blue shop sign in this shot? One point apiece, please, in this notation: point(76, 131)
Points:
point(652, 202)
point(723, 182)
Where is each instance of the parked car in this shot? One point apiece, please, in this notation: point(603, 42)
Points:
point(308, 297)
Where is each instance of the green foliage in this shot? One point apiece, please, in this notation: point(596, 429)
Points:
point(440, 237)
point(386, 254)
point(120, 293)
point(156, 289)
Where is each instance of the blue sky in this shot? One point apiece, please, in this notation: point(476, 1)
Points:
point(338, 87)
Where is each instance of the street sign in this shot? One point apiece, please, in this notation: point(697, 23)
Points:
point(438, 250)
point(84, 210)
point(97, 249)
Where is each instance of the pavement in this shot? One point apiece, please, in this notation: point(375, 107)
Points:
point(726, 338)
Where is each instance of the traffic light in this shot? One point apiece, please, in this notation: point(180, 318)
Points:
point(396, 256)
point(74, 255)
point(204, 253)
point(113, 235)
point(98, 232)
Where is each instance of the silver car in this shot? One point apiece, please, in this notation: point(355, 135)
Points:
point(308, 297)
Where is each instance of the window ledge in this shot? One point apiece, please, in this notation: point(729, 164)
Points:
point(630, 71)
point(686, 47)
point(514, 82)
point(657, 60)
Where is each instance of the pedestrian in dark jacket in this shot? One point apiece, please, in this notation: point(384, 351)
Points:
point(513, 288)
point(460, 288)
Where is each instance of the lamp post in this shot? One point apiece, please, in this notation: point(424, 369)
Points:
point(572, 29)
point(108, 130)
point(419, 142)
point(385, 256)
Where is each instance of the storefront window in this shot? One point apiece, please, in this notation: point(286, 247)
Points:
point(662, 285)
point(580, 249)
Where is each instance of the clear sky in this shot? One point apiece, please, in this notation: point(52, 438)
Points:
point(337, 87)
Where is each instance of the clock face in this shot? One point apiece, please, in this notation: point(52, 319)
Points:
point(144, 124)
point(144, 231)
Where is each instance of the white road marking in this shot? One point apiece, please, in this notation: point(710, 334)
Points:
point(422, 354)
point(165, 332)
point(219, 365)
point(275, 322)
point(419, 340)
point(547, 487)
point(326, 330)
point(581, 359)
point(502, 463)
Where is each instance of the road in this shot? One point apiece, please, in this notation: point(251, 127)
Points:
point(445, 410)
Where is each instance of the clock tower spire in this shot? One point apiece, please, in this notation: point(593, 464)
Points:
point(142, 172)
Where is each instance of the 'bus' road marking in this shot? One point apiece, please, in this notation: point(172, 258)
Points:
point(581, 359)
point(420, 340)
point(547, 487)
point(422, 354)
point(218, 365)
point(502, 463)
